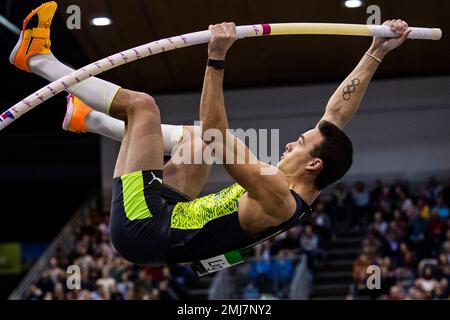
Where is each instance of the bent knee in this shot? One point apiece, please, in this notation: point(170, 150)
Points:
point(144, 105)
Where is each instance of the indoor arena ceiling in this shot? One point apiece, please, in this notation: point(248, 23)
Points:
point(252, 62)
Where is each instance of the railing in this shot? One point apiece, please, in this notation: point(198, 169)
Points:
point(300, 285)
point(63, 240)
point(222, 286)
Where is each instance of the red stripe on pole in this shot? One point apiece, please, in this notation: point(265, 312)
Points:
point(266, 28)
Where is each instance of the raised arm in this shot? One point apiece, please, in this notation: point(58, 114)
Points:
point(347, 98)
point(244, 168)
point(212, 103)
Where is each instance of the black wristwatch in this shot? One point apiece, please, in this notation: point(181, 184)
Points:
point(216, 64)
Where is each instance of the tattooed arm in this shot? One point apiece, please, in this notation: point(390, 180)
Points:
point(347, 98)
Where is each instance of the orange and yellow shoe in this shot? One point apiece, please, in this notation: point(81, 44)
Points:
point(76, 113)
point(34, 40)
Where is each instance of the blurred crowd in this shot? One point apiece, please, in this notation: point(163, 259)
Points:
point(103, 275)
point(407, 237)
point(271, 269)
point(107, 276)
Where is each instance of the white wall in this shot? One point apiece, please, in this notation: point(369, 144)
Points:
point(402, 129)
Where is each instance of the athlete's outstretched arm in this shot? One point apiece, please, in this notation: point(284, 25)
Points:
point(212, 102)
point(240, 163)
point(347, 98)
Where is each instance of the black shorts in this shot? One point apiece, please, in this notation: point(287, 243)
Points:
point(140, 216)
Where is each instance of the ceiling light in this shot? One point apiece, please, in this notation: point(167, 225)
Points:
point(101, 21)
point(353, 3)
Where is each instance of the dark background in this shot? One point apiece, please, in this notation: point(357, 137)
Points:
point(45, 172)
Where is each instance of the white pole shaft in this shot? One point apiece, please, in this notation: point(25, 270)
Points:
point(416, 33)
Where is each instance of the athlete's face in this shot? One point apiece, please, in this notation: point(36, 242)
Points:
point(297, 157)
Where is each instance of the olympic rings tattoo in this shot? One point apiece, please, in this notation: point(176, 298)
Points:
point(350, 88)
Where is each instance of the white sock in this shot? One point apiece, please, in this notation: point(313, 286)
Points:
point(98, 94)
point(95, 92)
point(112, 128)
point(105, 125)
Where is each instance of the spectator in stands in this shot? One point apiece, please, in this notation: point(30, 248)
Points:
point(408, 257)
point(251, 292)
point(361, 200)
point(106, 282)
point(428, 283)
point(54, 270)
point(387, 276)
point(417, 231)
point(379, 224)
point(183, 275)
point(125, 284)
point(342, 206)
point(321, 220)
point(242, 276)
point(118, 267)
point(45, 283)
point(166, 292)
point(376, 193)
point(442, 208)
point(58, 292)
point(84, 260)
point(259, 271)
point(385, 201)
point(423, 208)
point(372, 243)
point(174, 283)
point(435, 226)
point(416, 293)
point(103, 227)
point(287, 241)
point(443, 273)
point(85, 295)
point(34, 293)
point(154, 295)
point(396, 292)
point(309, 243)
point(433, 188)
point(398, 225)
point(406, 204)
point(392, 246)
point(282, 272)
point(397, 188)
point(87, 227)
point(404, 277)
point(359, 274)
point(143, 283)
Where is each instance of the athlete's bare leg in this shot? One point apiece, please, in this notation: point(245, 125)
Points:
point(187, 177)
point(142, 145)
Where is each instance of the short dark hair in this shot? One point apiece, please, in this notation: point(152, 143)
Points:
point(336, 152)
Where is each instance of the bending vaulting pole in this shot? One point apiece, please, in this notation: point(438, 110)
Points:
point(195, 38)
